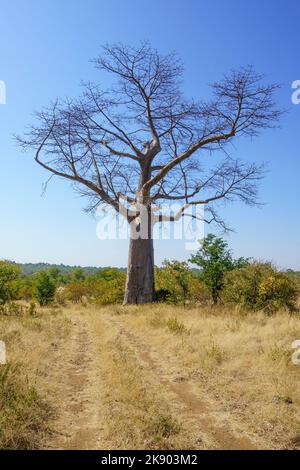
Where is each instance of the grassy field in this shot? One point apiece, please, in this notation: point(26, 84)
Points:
point(151, 377)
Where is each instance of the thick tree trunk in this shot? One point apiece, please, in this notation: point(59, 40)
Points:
point(140, 274)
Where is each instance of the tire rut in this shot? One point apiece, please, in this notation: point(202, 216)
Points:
point(196, 411)
point(77, 423)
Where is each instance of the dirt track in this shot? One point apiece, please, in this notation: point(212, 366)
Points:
point(78, 422)
point(81, 390)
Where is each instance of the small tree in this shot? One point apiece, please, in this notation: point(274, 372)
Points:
point(44, 288)
point(215, 259)
point(9, 273)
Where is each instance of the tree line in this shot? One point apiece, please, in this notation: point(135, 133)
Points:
point(219, 278)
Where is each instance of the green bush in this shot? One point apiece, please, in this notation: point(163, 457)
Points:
point(9, 273)
point(163, 295)
point(277, 291)
point(105, 292)
point(172, 282)
point(44, 290)
point(260, 286)
point(75, 291)
point(25, 288)
point(177, 284)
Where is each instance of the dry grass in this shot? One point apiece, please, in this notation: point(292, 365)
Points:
point(135, 414)
point(25, 410)
point(149, 367)
point(241, 361)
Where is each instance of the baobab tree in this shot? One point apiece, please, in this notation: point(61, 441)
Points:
point(141, 144)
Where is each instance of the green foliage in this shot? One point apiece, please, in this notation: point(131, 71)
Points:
point(105, 287)
point(260, 286)
point(108, 289)
point(25, 287)
point(164, 295)
point(9, 273)
point(78, 275)
point(110, 274)
point(65, 271)
point(58, 277)
point(75, 291)
point(44, 288)
point(198, 291)
point(215, 259)
point(252, 285)
point(173, 282)
point(109, 292)
point(177, 284)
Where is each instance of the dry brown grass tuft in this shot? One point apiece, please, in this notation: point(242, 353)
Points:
point(25, 410)
point(241, 361)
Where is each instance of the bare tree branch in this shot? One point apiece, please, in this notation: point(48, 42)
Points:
point(142, 141)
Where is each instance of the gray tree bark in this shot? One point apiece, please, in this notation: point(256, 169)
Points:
point(140, 287)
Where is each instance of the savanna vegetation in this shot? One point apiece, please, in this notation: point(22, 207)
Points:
point(212, 276)
point(180, 373)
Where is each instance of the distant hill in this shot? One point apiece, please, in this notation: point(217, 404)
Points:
point(31, 268)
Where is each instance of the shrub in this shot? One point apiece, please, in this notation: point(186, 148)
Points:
point(25, 288)
point(44, 288)
point(173, 282)
point(105, 292)
point(163, 295)
point(260, 286)
point(177, 284)
point(13, 309)
point(9, 273)
point(277, 291)
point(75, 291)
point(198, 291)
point(176, 326)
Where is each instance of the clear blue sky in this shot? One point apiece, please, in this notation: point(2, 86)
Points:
point(46, 46)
